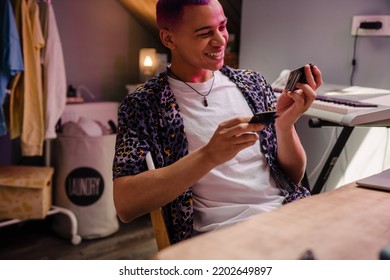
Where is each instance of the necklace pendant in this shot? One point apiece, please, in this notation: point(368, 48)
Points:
point(205, 103)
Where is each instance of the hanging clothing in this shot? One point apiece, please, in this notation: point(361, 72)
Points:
point(11, 60)
point(53, 68)
point(28, 91)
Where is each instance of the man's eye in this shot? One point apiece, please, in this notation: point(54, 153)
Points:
point(205, 34)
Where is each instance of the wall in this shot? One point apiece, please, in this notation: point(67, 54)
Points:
point(277, 35)
point(101, 41)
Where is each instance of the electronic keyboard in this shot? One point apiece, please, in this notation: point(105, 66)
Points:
point(349, 111)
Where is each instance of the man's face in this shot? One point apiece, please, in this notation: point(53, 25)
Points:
point(201, 38)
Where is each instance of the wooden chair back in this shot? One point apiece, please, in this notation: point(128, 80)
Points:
point(160, 229)
point(157, 217)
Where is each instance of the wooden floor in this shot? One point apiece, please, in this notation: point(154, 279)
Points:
point(35, 240)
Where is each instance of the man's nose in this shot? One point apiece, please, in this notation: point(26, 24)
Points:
point(219, 39)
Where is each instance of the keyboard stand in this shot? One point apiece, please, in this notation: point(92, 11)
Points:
point(334, 154)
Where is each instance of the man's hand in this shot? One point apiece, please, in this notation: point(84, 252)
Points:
point(231, 137)
point(292, 104)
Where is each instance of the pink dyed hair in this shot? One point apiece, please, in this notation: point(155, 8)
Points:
point(169, 12)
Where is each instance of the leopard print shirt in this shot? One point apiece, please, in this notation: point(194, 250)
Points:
point(149, 121)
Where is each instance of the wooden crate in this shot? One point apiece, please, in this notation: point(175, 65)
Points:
point(25, 192)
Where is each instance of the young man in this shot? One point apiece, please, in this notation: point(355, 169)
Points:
point(194, 118)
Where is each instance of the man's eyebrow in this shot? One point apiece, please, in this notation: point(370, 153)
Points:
point(208, 26)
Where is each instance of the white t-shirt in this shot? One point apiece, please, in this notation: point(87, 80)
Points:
point(242, 186)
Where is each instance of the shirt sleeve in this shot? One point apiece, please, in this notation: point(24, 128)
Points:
point(131, 144)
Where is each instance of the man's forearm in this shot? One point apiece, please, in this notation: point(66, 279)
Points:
point(139, 194)
point(291, 155)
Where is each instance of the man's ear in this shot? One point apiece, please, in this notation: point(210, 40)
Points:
point(167, 38)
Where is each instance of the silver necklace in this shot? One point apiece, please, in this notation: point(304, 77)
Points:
point(205, 103)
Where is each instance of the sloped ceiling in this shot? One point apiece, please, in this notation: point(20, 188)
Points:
point(145, 12)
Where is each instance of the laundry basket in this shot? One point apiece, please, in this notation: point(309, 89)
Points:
point(83, 184)
point(83, 173)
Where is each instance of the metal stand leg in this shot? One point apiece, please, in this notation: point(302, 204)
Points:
point(332, 158)
point(76, 239)
point(305, 181)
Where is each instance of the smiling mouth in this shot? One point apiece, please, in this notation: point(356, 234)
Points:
point(216, 54)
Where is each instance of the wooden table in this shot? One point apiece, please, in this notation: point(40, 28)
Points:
point(346, 223)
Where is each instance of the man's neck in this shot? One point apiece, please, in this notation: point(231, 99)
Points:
point(199, 76)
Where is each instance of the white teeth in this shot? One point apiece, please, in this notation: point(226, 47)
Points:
point(215, 54)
